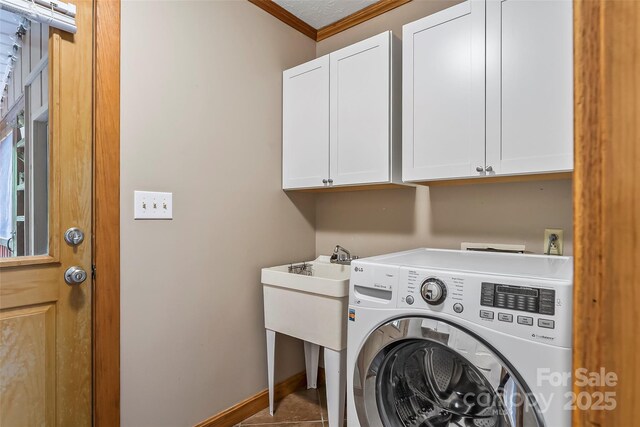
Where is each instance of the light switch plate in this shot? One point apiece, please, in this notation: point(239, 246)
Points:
point(152, 205)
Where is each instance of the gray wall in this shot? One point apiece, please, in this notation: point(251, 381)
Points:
point(375, 222)
point(201, 117)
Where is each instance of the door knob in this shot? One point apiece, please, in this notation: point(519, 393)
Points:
point(74, 236)
point(75, 275)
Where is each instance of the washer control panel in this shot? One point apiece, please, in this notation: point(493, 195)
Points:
point(537, 310)
point(520, 298)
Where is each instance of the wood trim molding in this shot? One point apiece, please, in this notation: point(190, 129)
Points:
point(28, 260)
point(500, 179)
point(254, 404)
point(446, 182)
point(587, 187)
point(606, 203)
point(106, 214)
point(369, 12)
point(359, 17)
point(287, 17)
point(368, 187)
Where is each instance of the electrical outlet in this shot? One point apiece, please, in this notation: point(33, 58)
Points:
point(553, 247)
point(152, 205)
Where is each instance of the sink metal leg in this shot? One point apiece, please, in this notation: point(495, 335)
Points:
point(311, 355)
point(335, 363)
point(271, 354)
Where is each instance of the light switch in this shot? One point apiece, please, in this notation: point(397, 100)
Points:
point(152, 205)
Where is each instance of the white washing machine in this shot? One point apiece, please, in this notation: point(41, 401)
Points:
point(456, 338)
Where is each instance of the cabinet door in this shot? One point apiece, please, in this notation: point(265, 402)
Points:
point(529, 86)
point(443, 126)
point(305, 125)
point(360, 132)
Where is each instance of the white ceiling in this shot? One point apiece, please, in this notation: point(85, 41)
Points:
point(320, 13)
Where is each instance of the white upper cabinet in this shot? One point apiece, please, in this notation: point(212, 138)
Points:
point(341, 124)
point(443, 94)
point(360, 112)
point(516, 117)
point(305, 124)
point(529, 86)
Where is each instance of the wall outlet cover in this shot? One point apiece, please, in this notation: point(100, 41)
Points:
point(551, 248)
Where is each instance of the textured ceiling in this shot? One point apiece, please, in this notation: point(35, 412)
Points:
point(320, 13)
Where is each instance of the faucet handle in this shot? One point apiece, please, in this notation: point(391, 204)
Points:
point(344, 258)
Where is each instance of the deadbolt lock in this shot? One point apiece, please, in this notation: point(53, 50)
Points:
point(74, 236)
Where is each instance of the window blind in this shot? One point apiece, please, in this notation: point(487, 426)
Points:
point(53, 13)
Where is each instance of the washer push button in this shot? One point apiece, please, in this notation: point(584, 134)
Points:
point(546, 323)
point(525, 320)
point(486, 314)
point(458, 308)
point(504, 317)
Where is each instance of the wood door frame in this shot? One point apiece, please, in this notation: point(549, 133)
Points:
point(106, 214)
point(606, 203)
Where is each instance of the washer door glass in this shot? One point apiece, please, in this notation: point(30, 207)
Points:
point(428, 373)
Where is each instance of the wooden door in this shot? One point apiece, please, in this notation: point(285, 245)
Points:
point(443, 124)
point(529, 86)
point(305, 125)
point(360, 112)
point(45, 324)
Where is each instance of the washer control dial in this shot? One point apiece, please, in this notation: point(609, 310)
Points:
point(433, 291)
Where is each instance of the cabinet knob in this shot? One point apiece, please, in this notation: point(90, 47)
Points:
point(324, 181)
point(330, 181)
point(479, 169)
point(489, 169)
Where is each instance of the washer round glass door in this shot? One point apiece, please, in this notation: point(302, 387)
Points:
point(426, 372)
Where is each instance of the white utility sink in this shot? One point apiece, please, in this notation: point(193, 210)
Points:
point(311, 304)
point(325, 279)
point(312, 308)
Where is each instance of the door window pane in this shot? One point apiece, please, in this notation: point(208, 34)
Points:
point(24, 136)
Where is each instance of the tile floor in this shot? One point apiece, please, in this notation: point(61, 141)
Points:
point(304, 408)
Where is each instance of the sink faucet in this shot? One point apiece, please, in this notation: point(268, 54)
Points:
point(341, 256)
